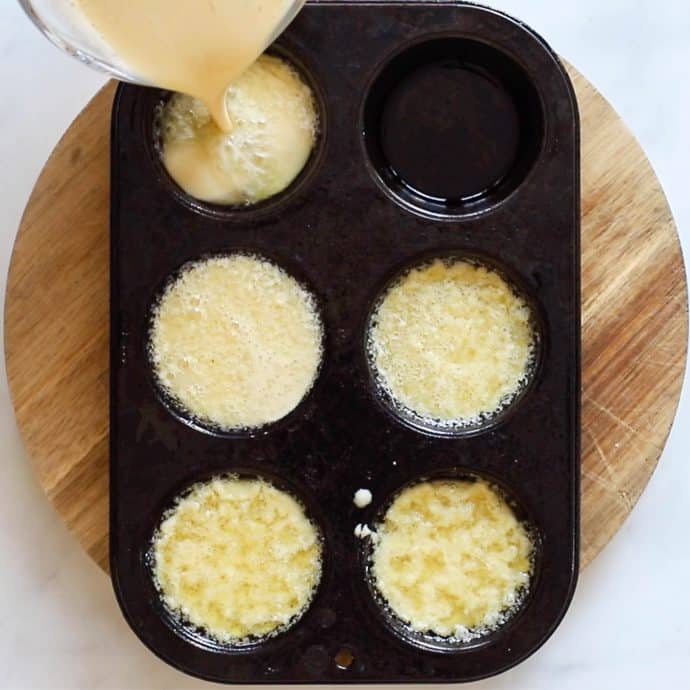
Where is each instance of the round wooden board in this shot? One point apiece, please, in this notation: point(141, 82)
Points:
point(634, 309)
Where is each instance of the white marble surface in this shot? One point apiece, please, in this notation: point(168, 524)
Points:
point(629, 625)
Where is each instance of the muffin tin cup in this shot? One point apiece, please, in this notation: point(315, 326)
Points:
point(485, 420)
point(346, 226)
point(269, 206)
point(177, 408)
point(199, 637)
point(428, 641)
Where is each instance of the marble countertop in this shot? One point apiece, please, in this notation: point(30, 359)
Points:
point(629, 624)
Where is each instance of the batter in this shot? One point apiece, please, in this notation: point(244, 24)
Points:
point(274, 128)
point(452, 342)
point(244, 129)
point(238, 558)
point(451, 558)
point(236, 341)
point(197, 48)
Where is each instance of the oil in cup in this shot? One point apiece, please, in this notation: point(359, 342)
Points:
point(450, 132)
point(452, 126)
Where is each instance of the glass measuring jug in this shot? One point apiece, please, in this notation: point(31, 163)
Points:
point(62, 22)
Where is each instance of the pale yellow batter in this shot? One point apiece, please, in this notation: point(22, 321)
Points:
point(451, 558)
point(274, 129)
point(236, 341)
point(452, 342)
point(193, 46)
point(238, 558)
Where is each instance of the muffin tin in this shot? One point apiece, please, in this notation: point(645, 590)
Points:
point(370, 203)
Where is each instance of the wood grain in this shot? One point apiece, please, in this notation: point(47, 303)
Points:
point(635, 323)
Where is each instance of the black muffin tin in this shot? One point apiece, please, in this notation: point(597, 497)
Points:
point(370, 203)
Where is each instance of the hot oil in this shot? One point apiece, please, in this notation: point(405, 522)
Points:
point(450, 131)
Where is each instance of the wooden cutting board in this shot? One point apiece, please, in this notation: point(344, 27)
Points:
point(634, 308)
